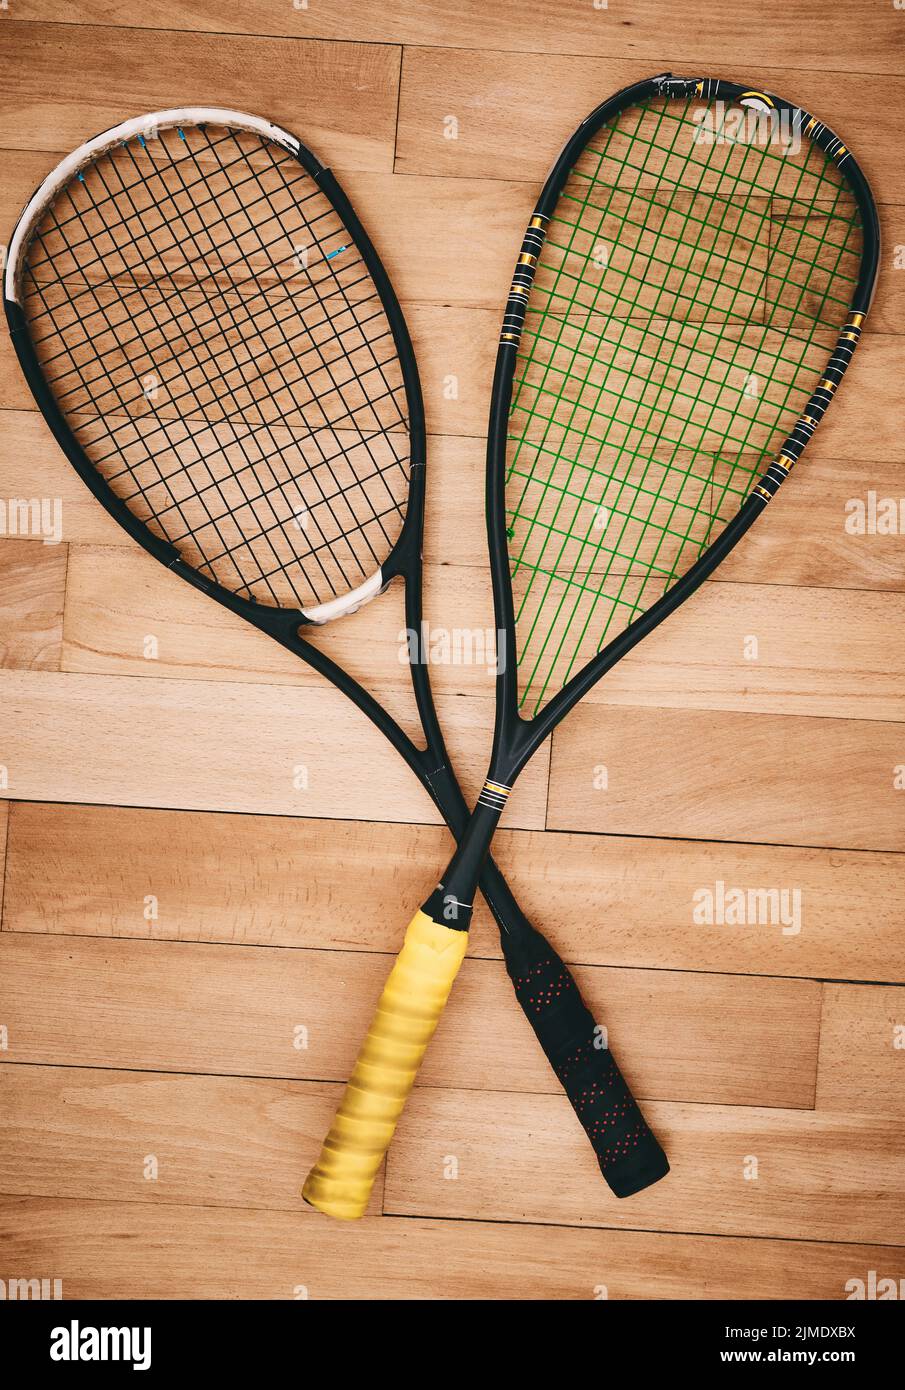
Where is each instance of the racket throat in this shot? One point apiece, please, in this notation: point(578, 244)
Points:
point(452, 901)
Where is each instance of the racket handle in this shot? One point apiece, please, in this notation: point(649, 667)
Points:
point(628, 1153)
point(407, 1014)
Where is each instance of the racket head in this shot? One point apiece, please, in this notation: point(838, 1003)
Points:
point(217, 348)
point(681, 314)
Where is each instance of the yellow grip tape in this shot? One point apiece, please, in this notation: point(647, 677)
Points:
point(407, 1013)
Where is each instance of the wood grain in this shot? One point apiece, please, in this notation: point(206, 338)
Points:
point(862, 38)
point(862, 1050)
point(769, 649)
point(131, 1250)
point(808, 538)
point(815, 507)
point(117, 597)
point(272, 881)
point(142, 1137)
point(66, 84)
point(175, 1139)
point(819, 1176)
point(454, 521)
point(773, 779)
point(301, 1015)
point(419, 223)
point(496, 99)
point(455, 345)
point(814, 647)
point(213, 745)
point(32, 587)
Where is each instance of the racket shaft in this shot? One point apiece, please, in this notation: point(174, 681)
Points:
point(407, 1014)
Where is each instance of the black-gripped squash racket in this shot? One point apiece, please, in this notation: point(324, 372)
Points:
point(217, 348)
point(689, 292)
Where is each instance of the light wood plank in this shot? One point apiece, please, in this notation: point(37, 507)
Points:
point(455, 350)
point(66, 83)
point(455, 504)
point(131, 1250)
point(32, 584)
point(887, 313)
point(862, 1050)
point(415, 222)
point(272, 881)
point(497, 99)
point(802, 540)
point(213, 745)
point(772, 779)
point(811, 535)
point(820, 651)
point(819, 1176)
point(184, 1003)
point(862, 38)
point(459, 344)
point(145, 1137)
point(419, 223)
point(34, 468)
point(863, 403)
point(117, 597)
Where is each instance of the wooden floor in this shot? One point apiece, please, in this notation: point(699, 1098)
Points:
point(191, 948)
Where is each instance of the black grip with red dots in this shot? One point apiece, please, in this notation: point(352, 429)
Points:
point(629, 1155)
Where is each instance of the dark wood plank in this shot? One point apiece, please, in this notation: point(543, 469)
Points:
point(65, 83)
point(861, 38)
